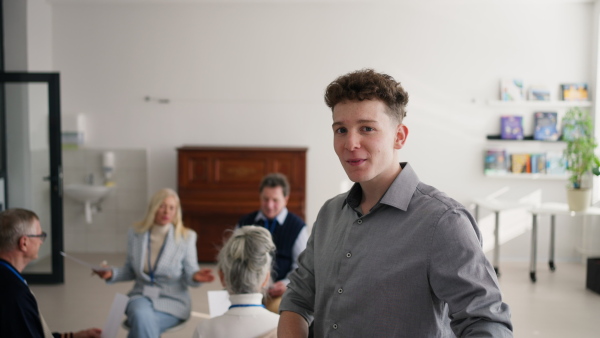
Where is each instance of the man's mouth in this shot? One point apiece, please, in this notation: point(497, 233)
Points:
point(355, 161)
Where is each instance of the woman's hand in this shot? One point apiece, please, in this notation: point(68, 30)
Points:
point(203, 276)
point(89, 333)
point(104, 274)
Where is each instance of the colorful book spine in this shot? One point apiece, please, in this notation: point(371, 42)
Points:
point(496, 161)
point(520, 163)
point(538, 163)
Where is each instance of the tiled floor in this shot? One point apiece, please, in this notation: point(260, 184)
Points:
point(557, 306)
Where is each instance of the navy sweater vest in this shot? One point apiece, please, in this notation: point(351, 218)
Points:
point(284, 238)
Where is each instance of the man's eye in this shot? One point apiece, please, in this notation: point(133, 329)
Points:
point(368, 129)
point(340, 130)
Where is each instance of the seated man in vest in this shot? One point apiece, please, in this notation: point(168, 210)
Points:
point(288, 231)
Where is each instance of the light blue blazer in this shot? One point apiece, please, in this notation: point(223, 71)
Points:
point(174, 270)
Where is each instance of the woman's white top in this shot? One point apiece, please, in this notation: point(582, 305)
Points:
point(240, 322)
point(158, 233)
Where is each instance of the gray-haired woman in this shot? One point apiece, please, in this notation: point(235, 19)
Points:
point(244, 265)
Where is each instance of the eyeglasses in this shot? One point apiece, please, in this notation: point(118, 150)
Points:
point(43, 236)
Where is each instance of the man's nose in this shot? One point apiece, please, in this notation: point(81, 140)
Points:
point(352, 141)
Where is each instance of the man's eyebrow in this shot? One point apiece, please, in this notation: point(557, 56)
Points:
point(359, 121)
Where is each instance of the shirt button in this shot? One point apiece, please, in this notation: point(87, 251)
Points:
point(335, 326)
point(348, 255)
point(340, 290)
point(359, 221)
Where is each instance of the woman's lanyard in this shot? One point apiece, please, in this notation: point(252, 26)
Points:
point(150, 269)
point(14, 271)
point(245, 305)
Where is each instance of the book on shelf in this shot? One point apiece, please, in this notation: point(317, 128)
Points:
point(545, 126)
point(555, 163)
point(496, 161)
point(539, 93)
point(538, 163)
point(520, 163)
point(511, 127)
point(574, 91)
point(511, 89)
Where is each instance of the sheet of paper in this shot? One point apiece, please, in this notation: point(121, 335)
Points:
point(89, 265)
point(115, 316)
point(218, 302)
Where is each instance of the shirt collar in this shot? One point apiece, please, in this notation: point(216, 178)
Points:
point(246, 298)
point(398, 194)
point(280, 217)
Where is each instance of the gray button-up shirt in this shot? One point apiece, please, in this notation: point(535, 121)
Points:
point(412, 267)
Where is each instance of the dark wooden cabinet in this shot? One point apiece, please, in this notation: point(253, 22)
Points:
point(218, 185)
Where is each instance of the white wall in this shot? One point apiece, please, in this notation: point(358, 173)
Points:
point(254, 74)
point(124, 205)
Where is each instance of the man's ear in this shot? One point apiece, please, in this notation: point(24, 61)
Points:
point(267, 280)
point(23, 243)
point(401, 135)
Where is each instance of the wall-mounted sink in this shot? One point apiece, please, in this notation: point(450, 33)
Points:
point(88, 195)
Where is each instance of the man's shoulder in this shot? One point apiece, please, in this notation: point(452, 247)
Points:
point(248, 219)
point(12, 287)
point(295, 218)
point(435, 198)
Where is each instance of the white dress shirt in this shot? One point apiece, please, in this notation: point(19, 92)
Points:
point(249, 321)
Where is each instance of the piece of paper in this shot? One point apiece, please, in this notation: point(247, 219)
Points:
point(218, 302)
point(115, 316)
point(89, 265)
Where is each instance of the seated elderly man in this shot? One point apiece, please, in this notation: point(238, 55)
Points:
point(21, 237)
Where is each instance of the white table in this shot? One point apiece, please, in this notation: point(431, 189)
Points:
point(551, 209)
point(497, 206)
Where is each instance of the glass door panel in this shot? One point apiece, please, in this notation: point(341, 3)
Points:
point(33, 171)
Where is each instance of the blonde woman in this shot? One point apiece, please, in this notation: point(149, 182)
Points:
point(162, 260)
point(244, 265)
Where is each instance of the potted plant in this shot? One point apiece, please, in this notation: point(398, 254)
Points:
point(578, 133)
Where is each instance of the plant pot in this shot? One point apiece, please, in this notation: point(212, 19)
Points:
point(579, 199)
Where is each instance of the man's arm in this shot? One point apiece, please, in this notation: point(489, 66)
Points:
point(299, 246)
point(299, 298)
point(461, 276)
point(292, 325)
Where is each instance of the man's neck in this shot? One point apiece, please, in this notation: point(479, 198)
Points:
point(373, 191)
point(16, 260)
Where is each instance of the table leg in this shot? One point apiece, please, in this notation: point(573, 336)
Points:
point(497, 244)
point(533, 248)
point(552, 241)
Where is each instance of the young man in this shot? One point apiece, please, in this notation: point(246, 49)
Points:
point(393, 257)
point(21, 237)
point(288, 231)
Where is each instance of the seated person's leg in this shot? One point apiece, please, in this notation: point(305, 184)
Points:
point(165, 320)
point(141, 319)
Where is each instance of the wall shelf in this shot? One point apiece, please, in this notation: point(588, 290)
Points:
point(538, 104)
point(525, 176)
point(525, 138)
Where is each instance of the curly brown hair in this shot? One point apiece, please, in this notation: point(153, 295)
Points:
point(367, 84)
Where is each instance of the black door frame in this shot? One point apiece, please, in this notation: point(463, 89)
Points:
point(56, 185)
